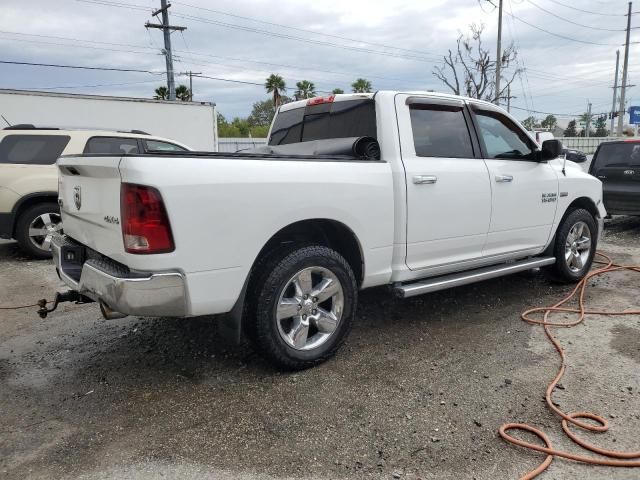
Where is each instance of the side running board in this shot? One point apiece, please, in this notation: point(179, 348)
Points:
point(471, 276)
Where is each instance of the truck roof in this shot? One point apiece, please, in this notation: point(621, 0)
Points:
point(342, 97)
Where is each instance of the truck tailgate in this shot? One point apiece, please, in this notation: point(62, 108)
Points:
point(89, 191)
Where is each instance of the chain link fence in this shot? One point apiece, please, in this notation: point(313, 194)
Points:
point(230, 145)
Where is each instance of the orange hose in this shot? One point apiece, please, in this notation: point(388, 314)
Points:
point(613, 458)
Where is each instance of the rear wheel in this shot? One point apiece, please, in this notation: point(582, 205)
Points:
point(36, 227)
point(575, 246)
point(302, 306)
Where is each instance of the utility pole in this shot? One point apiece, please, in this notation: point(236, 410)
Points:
point(499, 52)
point(191, 75)
point(615, 91)
point(166, 29)
point(509, 98)
point(588, 122)
point(625, 70)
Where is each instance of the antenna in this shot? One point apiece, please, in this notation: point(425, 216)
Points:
point(5, 120)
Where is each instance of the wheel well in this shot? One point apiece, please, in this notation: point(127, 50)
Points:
point(587, 204)
point(29, 201)
point(329, 233)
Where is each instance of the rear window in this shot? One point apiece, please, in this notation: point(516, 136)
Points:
point(32, 149)
point(112, 145)
point(352, 118)
point(618, 155)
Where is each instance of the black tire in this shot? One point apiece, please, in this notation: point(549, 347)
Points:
point(270, 281)
point(562, 271)
point(22, 228)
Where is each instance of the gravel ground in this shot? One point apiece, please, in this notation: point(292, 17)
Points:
point(418, 391)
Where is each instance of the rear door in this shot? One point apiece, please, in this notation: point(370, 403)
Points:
point(448, 189)
point(617, 165)
point(89, 198)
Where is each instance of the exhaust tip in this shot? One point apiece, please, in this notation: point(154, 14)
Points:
point(109, 314)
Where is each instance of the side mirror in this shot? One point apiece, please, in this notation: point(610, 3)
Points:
point(550, 149)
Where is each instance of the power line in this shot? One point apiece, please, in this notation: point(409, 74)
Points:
point(591, 27)
point(81, 67)
point(192, 53)
point(588, 11)
point(280, 25)
point(561, 36)
point(423, 57)
point(559, 114)
point(64, 87)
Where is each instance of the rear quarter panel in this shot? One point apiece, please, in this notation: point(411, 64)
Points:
point(223, 211)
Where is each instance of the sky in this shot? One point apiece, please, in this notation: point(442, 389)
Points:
point(394, 44)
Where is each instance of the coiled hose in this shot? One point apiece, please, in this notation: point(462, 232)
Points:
point(612, 458)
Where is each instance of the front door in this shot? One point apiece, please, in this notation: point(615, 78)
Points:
point(525, 190)
point(448, 189)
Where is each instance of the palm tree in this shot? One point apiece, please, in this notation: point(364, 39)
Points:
point(306, 89)
point(162, 93)
point(361, 85)
point(276, 86)
point(337, 91)
point(183, 93)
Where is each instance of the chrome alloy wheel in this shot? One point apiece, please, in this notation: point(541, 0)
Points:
point(42, 228)
point(578, 246)
point(310, 308)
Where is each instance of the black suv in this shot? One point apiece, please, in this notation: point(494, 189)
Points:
point(617, 164)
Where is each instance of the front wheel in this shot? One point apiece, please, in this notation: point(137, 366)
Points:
point(302, 306)
point(575, 246)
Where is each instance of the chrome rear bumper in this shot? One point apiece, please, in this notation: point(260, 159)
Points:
point(131, 293)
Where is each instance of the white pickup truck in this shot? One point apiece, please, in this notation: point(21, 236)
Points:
point(418, 191)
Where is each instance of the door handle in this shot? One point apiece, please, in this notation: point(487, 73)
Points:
point(504, 178)
point(425, 179)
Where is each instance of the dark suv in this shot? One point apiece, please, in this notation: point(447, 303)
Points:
point(617, 164)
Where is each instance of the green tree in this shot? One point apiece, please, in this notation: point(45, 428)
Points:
point(601, 127)
point(305, 89)
point(530, 123)
point(183, 93)
point(276, 86)
point(550, 122)
point(161, 93)
point(571, 130)
point(337, 91)
point(361, 85)
point(262, 113)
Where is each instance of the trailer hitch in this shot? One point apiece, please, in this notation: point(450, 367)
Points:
point(61, 297)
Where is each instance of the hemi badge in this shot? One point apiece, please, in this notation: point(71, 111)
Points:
point(564, 194)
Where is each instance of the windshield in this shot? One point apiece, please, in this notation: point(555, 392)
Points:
point(618, 155)
point(352, 118)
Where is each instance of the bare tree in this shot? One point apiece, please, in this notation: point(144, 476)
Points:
point(470, 71)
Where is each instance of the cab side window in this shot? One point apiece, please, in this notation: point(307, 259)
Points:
point(502, 138)
point(440, 131)
point(112, 145)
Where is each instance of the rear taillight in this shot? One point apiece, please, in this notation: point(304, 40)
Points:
point(321, 100)
point(145, 225)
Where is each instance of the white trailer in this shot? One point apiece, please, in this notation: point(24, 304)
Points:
point(190, 123)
